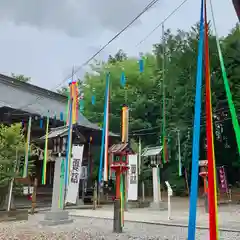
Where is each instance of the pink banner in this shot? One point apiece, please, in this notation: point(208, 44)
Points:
point(223, 185)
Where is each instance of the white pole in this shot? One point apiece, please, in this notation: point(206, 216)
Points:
point(170, 193)
point(159, 183)
point(169, 207)
point(143, 192)
point(155, 185)
point(179, 154)
point(11, 184)
point(139, 166)
point(139, 154)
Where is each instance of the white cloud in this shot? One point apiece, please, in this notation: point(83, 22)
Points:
point(74, 17)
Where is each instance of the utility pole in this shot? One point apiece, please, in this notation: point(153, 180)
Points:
point(139, 153)
point(179, 154)
point(140, 166)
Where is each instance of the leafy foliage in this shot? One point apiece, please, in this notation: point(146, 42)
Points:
point(12, 150)
point(143, 94)
point(21, 77)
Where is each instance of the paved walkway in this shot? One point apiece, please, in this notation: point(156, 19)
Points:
point(229, 216)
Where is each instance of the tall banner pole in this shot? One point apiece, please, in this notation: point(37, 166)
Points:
point(179, 154)
point(103, 134)
point(25, 171)
point(231, 106)
point(196, 135)
point(212, 196)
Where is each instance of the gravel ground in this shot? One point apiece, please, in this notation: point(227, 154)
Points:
point(87, 228)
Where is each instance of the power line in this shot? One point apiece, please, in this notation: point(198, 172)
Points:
point(150, 5)
point(161, 23)
point(154, 133)
point(155, 127)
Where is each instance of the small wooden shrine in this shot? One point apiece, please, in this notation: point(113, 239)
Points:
point(119, 155)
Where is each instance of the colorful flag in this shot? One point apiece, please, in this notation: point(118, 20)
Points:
point(123, 79)
point(196, 134)
point(232, 108)
point(93, 100)
point(61, 116)
point(103, 130)
point(106, 134)
point(212, 188)
point(93, 97)
point(25, 171)
point(41, 122)
point(45, 159)
point(141, 65)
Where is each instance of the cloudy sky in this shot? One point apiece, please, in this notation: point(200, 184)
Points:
point(43, 39)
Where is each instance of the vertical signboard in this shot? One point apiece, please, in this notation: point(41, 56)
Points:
point(133, 177)
point(75, 174)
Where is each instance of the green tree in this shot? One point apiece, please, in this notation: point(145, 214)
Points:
point(120, 56)
point(21, 77)
point(12, 151)
point(143, 94)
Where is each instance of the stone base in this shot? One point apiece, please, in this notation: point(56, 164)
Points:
point(14, 215)
point(56, 218)
point(158, 206)
point(80, 202)
point(138, 204)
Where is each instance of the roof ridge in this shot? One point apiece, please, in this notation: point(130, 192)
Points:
point(40, 90)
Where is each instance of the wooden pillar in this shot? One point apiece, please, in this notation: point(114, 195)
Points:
point(118, 179)
point(34, 195)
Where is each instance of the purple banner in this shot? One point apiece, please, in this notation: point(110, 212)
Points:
point(223, 185)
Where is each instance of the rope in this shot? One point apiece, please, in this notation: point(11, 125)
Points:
point(163, 103)
point(226, 84)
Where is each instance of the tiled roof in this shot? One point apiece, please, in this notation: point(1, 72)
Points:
point(35, 100)
point(151, 151)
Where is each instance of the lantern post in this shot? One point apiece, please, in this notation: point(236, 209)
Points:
point(57, 214)
point(119, 166)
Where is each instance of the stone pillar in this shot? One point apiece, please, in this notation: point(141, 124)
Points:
point(57, 215)
point(156, 204)
point(155, 185)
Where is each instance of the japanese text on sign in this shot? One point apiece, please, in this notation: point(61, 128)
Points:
point(75, 170)
point(133, 175)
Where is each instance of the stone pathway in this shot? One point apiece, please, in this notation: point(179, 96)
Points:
point(98, 229)
point(229, 216)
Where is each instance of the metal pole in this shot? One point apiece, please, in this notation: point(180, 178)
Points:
point(163, 112)
point(179, 154)
point(159, 183)
point(140, 165)
point(139, 155)
point(143, 192)
point(89, 163)
point(169, 207)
